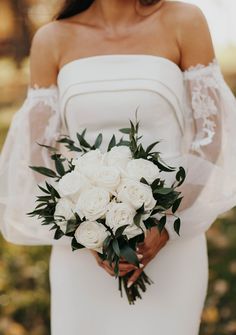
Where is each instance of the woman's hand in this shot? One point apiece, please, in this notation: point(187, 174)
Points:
point(152, 244)
point(124, 266)
point(147, 250)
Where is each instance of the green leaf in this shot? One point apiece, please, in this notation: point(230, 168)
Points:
point(133, 132)
point(116, 267)
point(59, 167)
point(143, 180)
point(44, 198)
point(129, 254)
point(141, 209)
point(176, 204)
point(137, 126)
point(158, 209)
point(112, 143)
point(161, 223)
point(177, 225)
point(69, 144)
point(72, 225)
point(180, 176)
point(155, 183)
point(141, 152)
point(66, 140)
point(120, 230)
point(75, 245)
point(125, 130)
point(43, 189)
point(54, 227)
point(44, 171)
point(82, 141)
point(58, 234)
point(40, 205)
point(107, 242)
point(47, 147)
point(116, 247)
point(110, 255)
point(163, 191)
point(150, 222)
point(74, 148)
point(124, 143)
point(137, 219)
point(84, 132)
point(53, 191)
point(98, 141)
point(151, 146)
point(156, 159)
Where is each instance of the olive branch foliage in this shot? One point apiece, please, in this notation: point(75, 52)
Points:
point(116, 245)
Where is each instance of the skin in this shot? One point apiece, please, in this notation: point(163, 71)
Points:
point(146, 251)
point(170, 29)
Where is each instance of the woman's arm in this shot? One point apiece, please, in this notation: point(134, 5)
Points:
point(37, 121)
point(44, 55)
point(193, 36)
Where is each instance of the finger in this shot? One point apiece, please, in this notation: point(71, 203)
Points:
point(108, 265)
point(134, 277)
point(144, 251)
point(123, 273)
point(108, 269)
point(127, 267)
point(112, 273)
point(140, 248)
point(124, 261)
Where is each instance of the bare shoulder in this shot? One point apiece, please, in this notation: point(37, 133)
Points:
point(192, 33)
point(184, 13)
point(44, 55)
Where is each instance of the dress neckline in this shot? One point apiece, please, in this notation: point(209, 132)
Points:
point(192, 70)
point(116, 57)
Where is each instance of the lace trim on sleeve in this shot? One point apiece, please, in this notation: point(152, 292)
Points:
point(203, 88)
point(48, 96)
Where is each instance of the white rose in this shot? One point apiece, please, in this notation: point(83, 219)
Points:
point(136, 194)
point(118, 156)
point(107, 177)
point(91, 234)
point(88, 163)
point(71, 183)
point(121, 214)
point(133, 230)
point(64, 208)
point(92, 203)
point(142, 168)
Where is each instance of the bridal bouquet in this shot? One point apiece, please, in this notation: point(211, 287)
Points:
point(106, 201)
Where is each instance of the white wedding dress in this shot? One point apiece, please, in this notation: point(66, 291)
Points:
point(193, 113)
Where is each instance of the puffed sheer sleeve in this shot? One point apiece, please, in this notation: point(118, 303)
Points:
point(37, 121)
point(210, 151)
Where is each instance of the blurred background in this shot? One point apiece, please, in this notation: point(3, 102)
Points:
point(24, 285)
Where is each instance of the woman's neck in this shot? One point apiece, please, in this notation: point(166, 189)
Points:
point(116, 12)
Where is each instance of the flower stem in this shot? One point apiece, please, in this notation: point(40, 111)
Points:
point(133, 292)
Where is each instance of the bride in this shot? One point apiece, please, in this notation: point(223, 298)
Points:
point(90, 68)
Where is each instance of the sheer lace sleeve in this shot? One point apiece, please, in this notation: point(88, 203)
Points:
point(210, 147)
point(37, 121)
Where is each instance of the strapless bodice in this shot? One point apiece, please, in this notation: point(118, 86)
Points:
point(101, 93)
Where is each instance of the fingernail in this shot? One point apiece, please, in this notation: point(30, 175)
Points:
point(130, 284)
point(140, 256)
point(137, 248)
point(141, 265)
